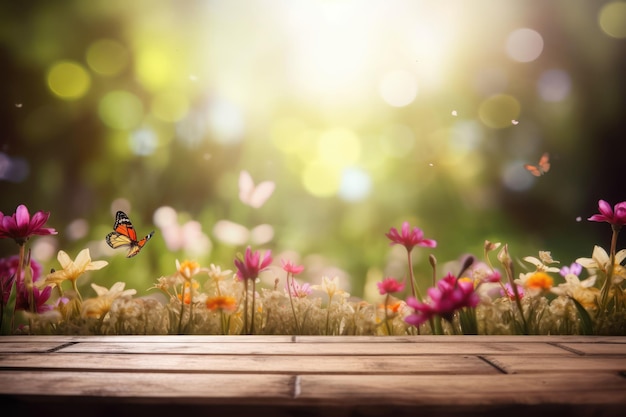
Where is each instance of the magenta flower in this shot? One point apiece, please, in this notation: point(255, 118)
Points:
point(250, 266)
point(289, 267)
point(448, 296)
point(20, 226)
point(8, 272)
point(614, 216)
point(409, 238)
point(39, 298)
point(390, 285)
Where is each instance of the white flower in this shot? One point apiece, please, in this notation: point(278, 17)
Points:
point(600, 260)
point(542, 262)
point(331, 287)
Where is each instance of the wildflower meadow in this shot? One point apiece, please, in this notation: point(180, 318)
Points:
point(495, 292)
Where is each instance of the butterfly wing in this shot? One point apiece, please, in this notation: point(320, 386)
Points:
point(541, 168)
point(533, 170)
point(124, 234)
point(544, 163)
point(261, 193)
point(136, 246)
point(246, 186)
point(254, 196)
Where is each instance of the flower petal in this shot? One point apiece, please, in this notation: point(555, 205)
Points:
point(64, 259)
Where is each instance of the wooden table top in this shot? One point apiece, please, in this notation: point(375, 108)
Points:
point(312, 375)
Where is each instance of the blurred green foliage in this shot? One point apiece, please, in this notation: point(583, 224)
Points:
point(363, 113)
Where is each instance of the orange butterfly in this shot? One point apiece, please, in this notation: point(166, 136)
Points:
point(124, 235)
point(541, 168)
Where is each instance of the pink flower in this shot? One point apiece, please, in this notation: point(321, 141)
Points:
point(389, 285)
point(250, 266)
point(20, 226)
point(614, 216)
point(409, 238)
point(8, 270)
point(289, 267)
point(449, 295)
point(299, 291)
point(39, 297)
point(510, 293)
point(574, 268)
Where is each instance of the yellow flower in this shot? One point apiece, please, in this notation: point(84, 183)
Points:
point(99, 306)
point(71, 269)
point(187, 269)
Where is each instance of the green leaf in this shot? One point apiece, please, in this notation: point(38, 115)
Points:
point(585, 318)
point(8, 311)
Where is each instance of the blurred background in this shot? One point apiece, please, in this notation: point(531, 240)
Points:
point(361, 114)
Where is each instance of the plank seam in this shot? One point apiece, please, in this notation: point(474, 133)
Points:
point(567, 348)
point(493, 364)
point(63, 346)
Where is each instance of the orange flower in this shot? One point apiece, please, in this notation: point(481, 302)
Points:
point(539, 281)
point(187, 297)
point(224, 303)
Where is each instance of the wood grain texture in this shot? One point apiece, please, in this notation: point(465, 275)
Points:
point(312, 376)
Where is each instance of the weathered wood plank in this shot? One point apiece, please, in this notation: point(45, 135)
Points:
point(319, 349)
point(552, 388)
point(18, 347)
point(148, 339)
point(596, 348)
point(153, 386)
point(390, 365)
point(314, 339)
point(461, 339)
point(514, 364)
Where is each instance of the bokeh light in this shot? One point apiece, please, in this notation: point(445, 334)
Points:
point(554, 85)
point(68, 80)
point(107, 57)
point(612, 19)
point(524, 45)
point(498, 111)
point(121, 110)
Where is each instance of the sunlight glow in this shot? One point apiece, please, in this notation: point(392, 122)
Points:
point(398, 88)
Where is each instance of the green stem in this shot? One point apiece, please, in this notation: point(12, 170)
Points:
point(75, 287)
point(245, 308)
point(414, 290)
point(330, 298)
point(293, 309)
point(253, 302)
point(182, 310)
point(387, 316)
point(608, 283)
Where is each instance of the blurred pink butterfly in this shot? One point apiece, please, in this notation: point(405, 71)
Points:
point(541, 168)
point(254, 195)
